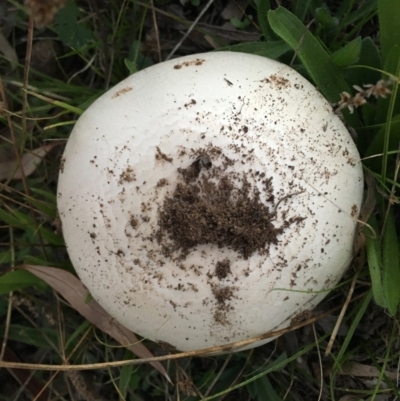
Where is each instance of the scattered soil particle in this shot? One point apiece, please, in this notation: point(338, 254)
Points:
point(354, 211)
point(62, 164)
point(162, 183)
point(223, 268)
point(220, 318)
point(166, 346)
point(162, 156)
point(279, 81)
point(191, 103)
point(202, 211)
point(198, 61)
point(192, 172)
point(121, 92)
point(301, 317)
point(133, 222)
point(128, 175)
point(222, 294)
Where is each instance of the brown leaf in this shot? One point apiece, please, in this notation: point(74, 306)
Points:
point(8, 51)
point(361, 370)
point(25, 378)
point(379, 397)
point(10, 170)
point(72, 289)
point(349, 397)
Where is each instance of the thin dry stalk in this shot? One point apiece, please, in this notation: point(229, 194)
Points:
point(187, 33)
point(157, 33)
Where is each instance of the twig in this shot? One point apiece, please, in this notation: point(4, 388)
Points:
point(190, 29)
point(202, 352)
point(153, 13)
point(321, 372)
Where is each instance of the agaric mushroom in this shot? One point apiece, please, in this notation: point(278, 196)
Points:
point(210, 199)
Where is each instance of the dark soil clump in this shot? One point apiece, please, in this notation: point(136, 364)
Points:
point(222, 269)
point(213, 209)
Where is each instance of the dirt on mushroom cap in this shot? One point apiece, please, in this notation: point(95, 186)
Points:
point(204, 211)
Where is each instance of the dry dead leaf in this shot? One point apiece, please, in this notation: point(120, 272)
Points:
point(35, 385)
point(234, 10)
point(72, 289)
point(9, 170)
point(351, 398)
point(8, 51)
point(378, 397)
point(361, 370)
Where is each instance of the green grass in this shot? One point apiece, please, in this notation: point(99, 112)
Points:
point(93, 45)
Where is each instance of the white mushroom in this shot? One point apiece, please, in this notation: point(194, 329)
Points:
point(210, 199)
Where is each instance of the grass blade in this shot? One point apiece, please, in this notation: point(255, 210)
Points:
point(391, 266)
point(354, 324)
point(348, 54)
point(373, 247)
point(263, 6)
point(272, 50)
point(389, 17)
point(17, 280)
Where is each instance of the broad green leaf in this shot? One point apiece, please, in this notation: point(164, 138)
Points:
point(45, 194)
point(46, 208)
point(136, 57)
point(301, 9)
point(391, 266)
point(3, 306)
point(241, 24)
point(368, 64)
point(41, 338)
point(378, 143)
point(392, 109)
point(324, 17)
point(391, 66)
point(50, 237)
point(17, 280)
point(313, 56)
point(13, 220)
point(131, 66)
point(135, 382)
point(373, 247)
point(5, 257)
point(125, 375)
point(266, 49)
point(74, 337)
point(261, 390)
point(389, 32)
point(69, 29)
point(263, 6)
point(34, 260)
point(348, 54)
point(316, 60)
point(363, 11)
point(355, 19)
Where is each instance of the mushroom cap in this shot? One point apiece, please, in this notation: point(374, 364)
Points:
point(210, 199)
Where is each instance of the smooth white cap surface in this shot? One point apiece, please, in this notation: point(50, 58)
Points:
point(262, 126)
